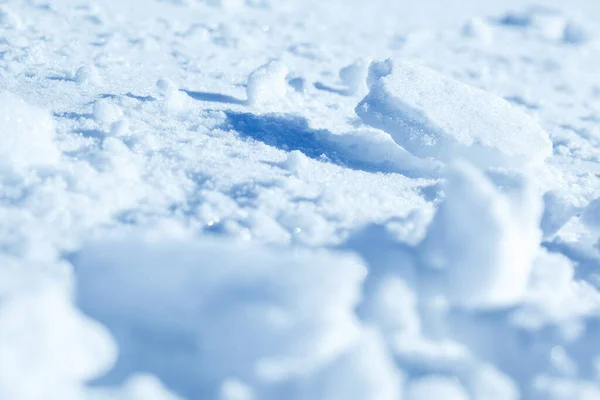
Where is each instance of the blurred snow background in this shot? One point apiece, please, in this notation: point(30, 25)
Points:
point(260, 199)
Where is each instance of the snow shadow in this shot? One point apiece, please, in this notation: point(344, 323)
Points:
point(291, 132)
point(588, 266)
point(214, 97)
point(330, 89)
point(357, 150)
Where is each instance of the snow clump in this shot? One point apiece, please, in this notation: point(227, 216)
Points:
point(267, 84)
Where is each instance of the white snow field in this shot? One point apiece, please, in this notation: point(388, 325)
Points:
point(299, 199)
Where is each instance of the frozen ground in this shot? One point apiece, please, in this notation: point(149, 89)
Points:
point(310, 200)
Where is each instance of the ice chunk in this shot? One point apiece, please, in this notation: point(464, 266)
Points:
point(483, 241)
point(432, 115)
point(26, 134)
point(267, 84)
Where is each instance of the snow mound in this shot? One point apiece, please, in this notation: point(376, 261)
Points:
point(267, 84)
point(238, 311)
point(46, 340)
point(483, 241)
point(26, 135)
point(432, 115)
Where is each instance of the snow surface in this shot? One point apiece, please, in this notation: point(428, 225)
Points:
point(311, 200)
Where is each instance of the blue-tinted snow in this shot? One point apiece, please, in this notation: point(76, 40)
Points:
point(259, 199)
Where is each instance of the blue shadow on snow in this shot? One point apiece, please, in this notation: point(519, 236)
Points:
point(290, 132)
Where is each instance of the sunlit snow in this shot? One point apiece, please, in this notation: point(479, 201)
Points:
point(299, 199)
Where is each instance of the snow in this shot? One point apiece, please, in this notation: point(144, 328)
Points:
point(106, 111)
point(258, 336)
point(435, 116)
point(435, 387)
point(138, 387)
point(575, 33)
point(267, 84)
point(46, 340)
point(591, 214)
point(354, 77)
point(9, 20)
point(27, 134)
point(478, 29)
point(484, 242)
point(87, 75)
point(305, 200)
